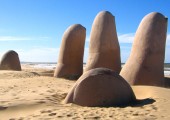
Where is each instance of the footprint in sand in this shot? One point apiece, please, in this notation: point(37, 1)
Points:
point(12, 119)
point(3, 108)
point(59, 116)
point(41, 102)
point(17, 98)
point(46, 111)
point(69, 115)
point(52, 114)
point(10, 87)
point(41, 94)
point(76, 118)
point(13, 94)
point(50, 91)
point(34, 91)
point(3, 102)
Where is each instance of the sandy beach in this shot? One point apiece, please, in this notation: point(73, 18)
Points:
point(33, 94)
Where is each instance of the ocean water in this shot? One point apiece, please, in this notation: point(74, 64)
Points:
point(45, 65)
point(51, 66)
point(166, 71)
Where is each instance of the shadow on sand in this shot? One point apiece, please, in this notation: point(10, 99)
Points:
point(142, 102)
point(167, 82)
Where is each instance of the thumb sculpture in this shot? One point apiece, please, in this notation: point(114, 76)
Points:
point(101, 87)
point(10, 61)
point(70, 62)
point(104, 50)
point(145, 66)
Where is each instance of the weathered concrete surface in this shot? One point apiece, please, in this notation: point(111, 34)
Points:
point(101, 87)
point(70, 62)
point(145, 66)
point(10, 61)
point(104, 50)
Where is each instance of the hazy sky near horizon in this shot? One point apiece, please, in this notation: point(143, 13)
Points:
point(34, 28)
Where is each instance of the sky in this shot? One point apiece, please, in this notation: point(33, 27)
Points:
point(34, 28)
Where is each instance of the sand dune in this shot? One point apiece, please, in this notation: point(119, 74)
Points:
point(33, 94)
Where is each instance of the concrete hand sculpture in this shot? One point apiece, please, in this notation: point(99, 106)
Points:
point(104, 50)
point(10, 61)
point(101, 87)
point(70, 62)
point(145, 66)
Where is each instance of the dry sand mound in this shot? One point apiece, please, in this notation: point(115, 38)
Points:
point(16, 74)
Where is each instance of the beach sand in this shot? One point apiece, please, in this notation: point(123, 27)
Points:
point(33, 94)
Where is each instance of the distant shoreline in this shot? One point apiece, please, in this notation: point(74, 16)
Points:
point(52, 66)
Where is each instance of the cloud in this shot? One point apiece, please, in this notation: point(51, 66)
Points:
point(167, 50)
point(1, 54)
point(39, 54)
point(86, 53)
point(123, 38)
point(88, 38)
point(168, 39)
point(126, 38)
point(129, 37)
point(21, 38)
point(50, 54)
point(42, 54)
point(126, 48)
